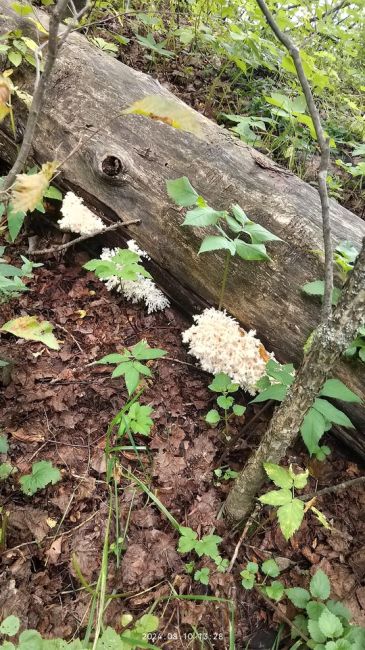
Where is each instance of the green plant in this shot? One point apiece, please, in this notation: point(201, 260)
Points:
point(357, 347)
point(224, 385)
point(11, 285)
point(324, 624)
point(149, 43)
point(125, 264)
point(225, 473)
point(43, 474)
point(102, 44)
point(183, 194)
point(321, 416)
point(128, 364)
point(290, 509)
point(132, 637)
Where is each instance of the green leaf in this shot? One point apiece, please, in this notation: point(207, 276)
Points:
point(205, 216)
point(330, 625)
point(188, 539)
point(314, 609)
point(320, 585)
point(316, 288)
point(239, 214)
point(338, 390)
point(15, 223)
point(280, 476)
point(300, 480)
point(30, 329)
point(212, 417)
point(315, 632)
point(225, 402)
point(276, 392)
point(298, 596)
point(252, 567)
point(276, 498)
point(331, 413)
point(202, 575)
point(131, 377)
point(139, 419)
point(6, 469)
point(182, 192)
point(251, 251)
point(142, 351)
point(238, 409)
point(53, 192)
point(290, 517)
point(284, 374)
point(21, 10)
point(222, 383)
point(338, 609)
point(15, 57)
point(208, 546)
point(215, 242)
point(113, 358)
point(312, 429)
point(4, 445)
point(10, 626)
point(43, 474)
point(270, 568)
point(259, 234)
point(248, 579)
point(275, 590)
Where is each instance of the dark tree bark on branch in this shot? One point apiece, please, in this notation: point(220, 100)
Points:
point(330, 340)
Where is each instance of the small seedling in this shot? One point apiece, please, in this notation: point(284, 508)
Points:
point(224, 385)
point(43, 474)
point(128, 364)
point(247, 240)
point(290, 510)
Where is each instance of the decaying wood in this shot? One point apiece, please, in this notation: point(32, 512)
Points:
point(122, 172)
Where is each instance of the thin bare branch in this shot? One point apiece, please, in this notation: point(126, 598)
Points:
point(40, 87)
point(325, 155)
point(63, 247)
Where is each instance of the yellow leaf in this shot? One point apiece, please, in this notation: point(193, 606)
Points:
point(81, 313)
point(51, 522)
point(28, 190)
point(5, 92)
point(30, 329)
point(166, 110)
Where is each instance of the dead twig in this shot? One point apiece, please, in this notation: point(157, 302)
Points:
point(333, 488)
point(243, 535)
point(281, 615)
point(62, 247)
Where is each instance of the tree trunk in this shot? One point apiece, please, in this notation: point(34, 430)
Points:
point(122, 171)
point(329, 343)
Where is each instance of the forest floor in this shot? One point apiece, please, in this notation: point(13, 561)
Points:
point(57, 407)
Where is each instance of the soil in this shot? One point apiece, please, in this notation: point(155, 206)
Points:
point(57, 407)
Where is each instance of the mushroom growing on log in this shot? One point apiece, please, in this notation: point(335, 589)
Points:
point(122, 171)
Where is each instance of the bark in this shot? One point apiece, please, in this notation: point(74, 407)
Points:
point(329, 342)
point(122, 170)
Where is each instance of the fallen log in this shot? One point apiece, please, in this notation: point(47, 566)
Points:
point(122, 171)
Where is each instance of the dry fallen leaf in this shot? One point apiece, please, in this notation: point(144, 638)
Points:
point(28, 190)
point(54, 550)
point(27, 436)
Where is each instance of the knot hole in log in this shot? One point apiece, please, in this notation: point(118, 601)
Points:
point(112, 168)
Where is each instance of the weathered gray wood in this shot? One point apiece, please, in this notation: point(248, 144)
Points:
point(88, 88)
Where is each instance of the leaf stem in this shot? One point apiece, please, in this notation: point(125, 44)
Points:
point(224, 279)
